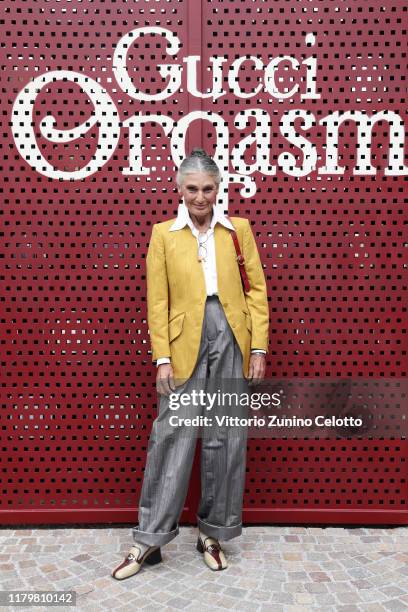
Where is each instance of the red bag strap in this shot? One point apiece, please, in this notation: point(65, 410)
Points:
point(240, 260)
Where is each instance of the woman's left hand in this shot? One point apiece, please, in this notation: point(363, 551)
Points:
point(257, 363)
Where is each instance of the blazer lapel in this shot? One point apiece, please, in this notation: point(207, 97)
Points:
point(222, 239)
point(186, 248)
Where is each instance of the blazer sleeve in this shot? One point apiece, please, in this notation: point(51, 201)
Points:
point(157, 296)
point(256, 299)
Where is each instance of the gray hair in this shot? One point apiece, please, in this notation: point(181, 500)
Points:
point(198, 161)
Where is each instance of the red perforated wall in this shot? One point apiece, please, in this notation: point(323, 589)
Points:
point(302, 104)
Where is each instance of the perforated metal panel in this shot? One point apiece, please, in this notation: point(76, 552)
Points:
point(90, 146)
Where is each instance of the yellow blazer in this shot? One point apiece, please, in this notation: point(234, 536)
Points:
point(176, 294)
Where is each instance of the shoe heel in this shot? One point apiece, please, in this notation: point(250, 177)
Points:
point(154, 557)
point(200, 546)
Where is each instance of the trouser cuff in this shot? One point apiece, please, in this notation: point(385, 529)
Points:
point(158, 538)
point(219, 532)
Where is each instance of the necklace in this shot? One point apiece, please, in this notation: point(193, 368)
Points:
point(202, 249)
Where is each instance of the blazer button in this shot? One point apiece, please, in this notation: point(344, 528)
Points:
point(225, 304)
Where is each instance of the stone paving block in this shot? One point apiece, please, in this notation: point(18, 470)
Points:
point(304, 598)
point(235, 592)
point(338, 587)
point(227, 580)
point(359, 572)
point(340, 577)
point(297, 575)
point(224, 602)
point(248, 584)
point(245, 605)
point(331, 566)
point(272, 585)
point(84, 589)
point(320, 577)
point(111, 603)
point(316, 587)
point(323, 600)
point(161, 596)
point(10, 585)
point(395, 605)
point(371, 595)
point(348, 598)
point(282, 598)
point(361, 584)
point(260, 596)
point(394, 591)
point(294, 587)
point(78, 571)
point(271, 608)
point(179, 603)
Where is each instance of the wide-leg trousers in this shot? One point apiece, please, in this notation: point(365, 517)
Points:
point(223, 448)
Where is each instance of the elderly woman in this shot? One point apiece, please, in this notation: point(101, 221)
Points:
point(207, 318)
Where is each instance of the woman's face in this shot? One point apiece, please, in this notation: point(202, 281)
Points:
point(199, 191)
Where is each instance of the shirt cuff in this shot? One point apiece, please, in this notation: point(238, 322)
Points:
point(258, 351)
point(162, 360)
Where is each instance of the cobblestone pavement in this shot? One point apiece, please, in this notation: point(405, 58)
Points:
point(272, 568)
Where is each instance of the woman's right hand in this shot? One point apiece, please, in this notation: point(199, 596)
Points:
point(165, 379)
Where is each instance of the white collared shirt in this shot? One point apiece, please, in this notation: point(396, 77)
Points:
point(207, 239)
point(209, 264)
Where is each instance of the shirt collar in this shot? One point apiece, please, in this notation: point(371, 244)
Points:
point(183, 218)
